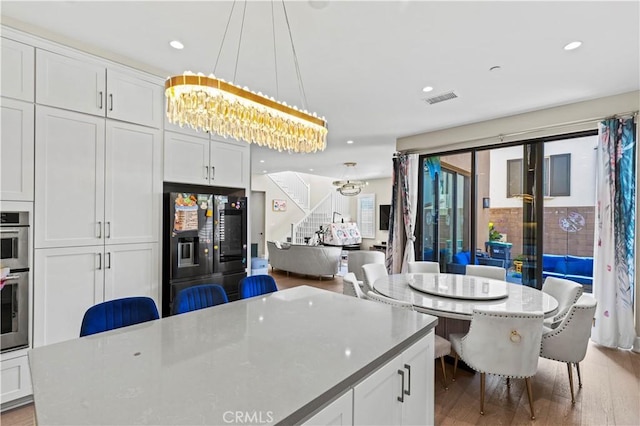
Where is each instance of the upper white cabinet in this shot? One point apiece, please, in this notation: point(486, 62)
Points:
point(17, 70)
point(400, 392)
point(201, 161)
point(92, 88)
point(229, 163)
point(16, 150)
point(97, 182)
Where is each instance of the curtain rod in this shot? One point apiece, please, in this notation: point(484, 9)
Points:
point(503, 136)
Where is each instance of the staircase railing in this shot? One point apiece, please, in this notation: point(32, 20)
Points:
point(320, 215)
point(294, 186)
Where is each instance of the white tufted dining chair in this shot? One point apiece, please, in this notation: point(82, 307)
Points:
point(568, 342)
point(372, 272)
point(566, 292)
point(423, 267)
point(441, 347)
point(486, 271)
point(357, 258)
point(350, 286)
point(502, 343)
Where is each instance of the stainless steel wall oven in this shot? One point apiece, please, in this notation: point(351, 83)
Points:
point(14, 296)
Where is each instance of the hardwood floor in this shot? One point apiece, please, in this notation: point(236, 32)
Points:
point(610, 393)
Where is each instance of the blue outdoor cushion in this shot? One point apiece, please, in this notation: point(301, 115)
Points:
point(462, 258)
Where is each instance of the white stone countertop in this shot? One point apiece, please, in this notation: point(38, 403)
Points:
point(277, 358)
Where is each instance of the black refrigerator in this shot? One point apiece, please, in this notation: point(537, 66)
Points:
point(205, 242)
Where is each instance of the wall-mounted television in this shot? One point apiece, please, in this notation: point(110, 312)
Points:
point(385, 209)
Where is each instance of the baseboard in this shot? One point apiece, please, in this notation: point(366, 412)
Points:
point(636, 344)
point(16, 403)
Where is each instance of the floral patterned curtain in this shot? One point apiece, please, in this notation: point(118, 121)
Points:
point(402, 218)
point(614, 269)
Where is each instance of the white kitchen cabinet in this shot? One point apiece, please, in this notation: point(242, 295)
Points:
point(17, 150)
point(69, 178)
point(133, 183)
point(17, 70)
point(229, 163)
point(338, 413)
point(92, 88)
point(97, 182)
point(14, 376)
point(70, 280)
point(401, 391)
point(206, 161)
point(186, 158)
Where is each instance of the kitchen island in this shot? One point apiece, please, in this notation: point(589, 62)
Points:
point(297, 355)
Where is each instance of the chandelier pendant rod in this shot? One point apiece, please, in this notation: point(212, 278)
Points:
point(224, 36)
point(244, 12)
point(275, 54)
point(295, 59)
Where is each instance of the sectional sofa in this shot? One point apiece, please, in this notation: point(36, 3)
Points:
point(306, 260)
point(574, 268)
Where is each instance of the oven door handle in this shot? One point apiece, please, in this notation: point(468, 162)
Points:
point(12, 277)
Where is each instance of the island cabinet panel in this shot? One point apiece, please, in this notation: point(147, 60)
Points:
point(15, 377)
point(16, 161)
point(338, 413)
point(400, 392)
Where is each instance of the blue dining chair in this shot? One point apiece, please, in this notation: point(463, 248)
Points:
point(118, 313)
point(255, 285)
point(199, 297)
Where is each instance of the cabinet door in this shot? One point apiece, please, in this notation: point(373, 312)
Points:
point(375, 399)
point(67, 282)
point(131, 270)
point(69, 83)
point(133, 99)
point(230, 162)
point(17, 70)
point(186, 159)
point(418, 406)
point(133, 183)
point(16, 151)
point(338, 413)
point(15, 379)
point(69, 176)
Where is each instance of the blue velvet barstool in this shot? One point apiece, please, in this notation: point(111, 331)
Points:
point(118, 313)
point(199, 297)
point(256, 285)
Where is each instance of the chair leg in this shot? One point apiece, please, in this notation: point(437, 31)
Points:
point(579, 378)
point(530, 395)
point(573, 401)
point(508, 382)
point(444, 373)
point(455, 368)
point(482, 377)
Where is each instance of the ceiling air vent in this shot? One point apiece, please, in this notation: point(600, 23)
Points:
point(441, 98)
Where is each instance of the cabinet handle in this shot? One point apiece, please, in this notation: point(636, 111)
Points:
point(401, 397)
point(110, 101)
point(99, 229)
point(408, 391)
point(206, 172)
point(100, 99)
point(99, 261)
point(108, 261)
point(213, 173)
point(107, 229)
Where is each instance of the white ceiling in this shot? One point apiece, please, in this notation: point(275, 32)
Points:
point(364, 64)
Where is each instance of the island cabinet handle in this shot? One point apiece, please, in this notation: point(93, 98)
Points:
point(401, 397)
point(408, 391)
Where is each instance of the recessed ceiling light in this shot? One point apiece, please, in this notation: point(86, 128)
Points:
point(349, 142)
point(176, 44)
point(427, 89)
point(264, 171)
point(310, 170)
point(573, 45)
point(262, 161)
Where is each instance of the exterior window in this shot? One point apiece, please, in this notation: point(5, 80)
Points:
point(556, 180)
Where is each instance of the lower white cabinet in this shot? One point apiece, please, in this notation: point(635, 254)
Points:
point(14, 376)
point(338, 413)
point(400, 392)
point(69, 280)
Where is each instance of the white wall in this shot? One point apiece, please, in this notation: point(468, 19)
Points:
point(382, 189)
point(583, 178)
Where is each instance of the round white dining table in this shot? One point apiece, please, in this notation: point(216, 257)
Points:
point(455, 296)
